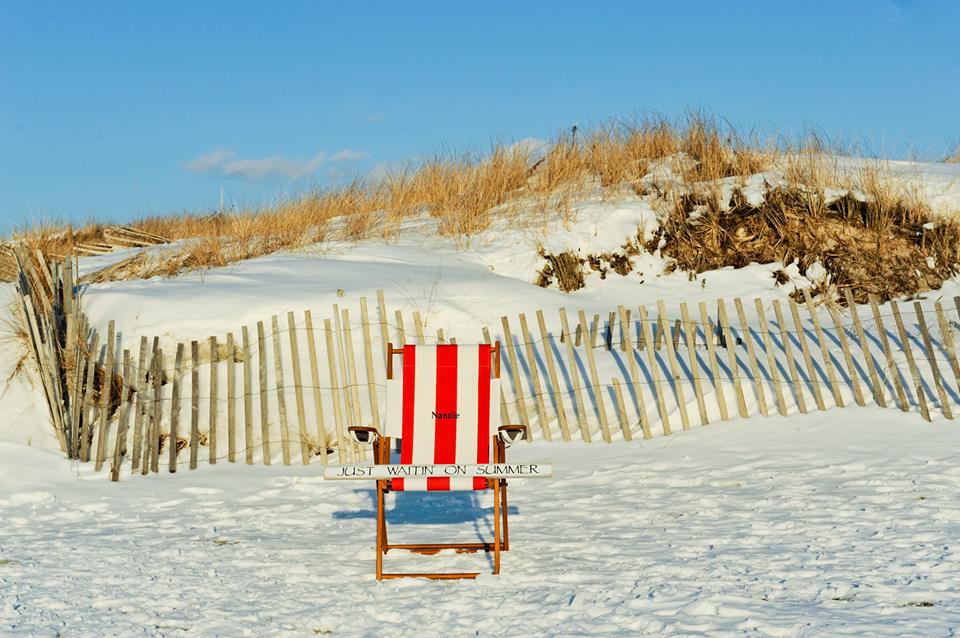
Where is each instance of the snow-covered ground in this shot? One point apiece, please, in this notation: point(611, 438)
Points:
point(832, 523)
point(837, 523)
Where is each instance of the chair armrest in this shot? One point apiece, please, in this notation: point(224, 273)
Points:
point(363, 434)
point(510, 434)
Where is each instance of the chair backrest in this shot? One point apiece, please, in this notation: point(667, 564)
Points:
point(444, 409)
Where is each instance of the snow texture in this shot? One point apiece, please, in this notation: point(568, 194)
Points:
point(830, 524)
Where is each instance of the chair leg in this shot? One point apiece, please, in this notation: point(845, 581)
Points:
point(504, 512)
point(381, 531)
point(496, 526)
point(382, 505)
point(386, 542)
point(382, 455)
point(500, 456)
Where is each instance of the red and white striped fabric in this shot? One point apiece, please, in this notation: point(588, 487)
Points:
point(441, 408)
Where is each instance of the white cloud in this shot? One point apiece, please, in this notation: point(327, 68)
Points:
point(348, 155)
point(209, 161)
point(271, 167)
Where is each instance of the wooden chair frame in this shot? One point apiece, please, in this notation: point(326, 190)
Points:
point(501, 530)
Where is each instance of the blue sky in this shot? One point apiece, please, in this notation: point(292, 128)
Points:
point(117, 110)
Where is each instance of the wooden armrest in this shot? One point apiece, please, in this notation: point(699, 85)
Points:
point(510, 434)
point(363, 434)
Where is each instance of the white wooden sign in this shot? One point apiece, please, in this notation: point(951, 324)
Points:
point(379, 472)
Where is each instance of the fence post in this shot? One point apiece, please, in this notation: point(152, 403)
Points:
point(384, 333)
point(515, 370)
point(418, 327)
point(752, 356)
point(154, 441)
point(807, 360)
point(552, 373)
point(865, 349)
point(88, 403)
point(76, 398)
point(690, 338)
point(298, 389)
point(368, 359)
point(122, 421)
point(824, 350)
point(401, 334)
point(141, 390)
point(106, 390)
point(671, 341)
point(712, 355)
point(194, 404)
point(315, 380)
point(359, 452)
point(175, 411)
point(732, 356)
point(848, 359)
point(575, 379)
point(771, 356)
point(634, 372)
point(911, 363)
point(624, 328)
point(231, 400)
point(536, 390)
point(147, 409)
point(652, 360)
point(888, 354)
point(504, 414)
point(348, 408)
point(791, 364)
point(597, 388)
point(214, 404)
point(351, 366)
point(264, 405)
point(932, 358)
point(335, 392)
point(247, 397)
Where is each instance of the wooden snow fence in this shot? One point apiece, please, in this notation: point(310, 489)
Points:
point(112, 238)
point(286, 389)
point(60, 345)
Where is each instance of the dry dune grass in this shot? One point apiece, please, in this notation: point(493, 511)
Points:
point(464, 193)
point(460, 192)
point(875, 238)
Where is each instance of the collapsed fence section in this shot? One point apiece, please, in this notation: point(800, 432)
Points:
point(287, 388)
point(60, 343)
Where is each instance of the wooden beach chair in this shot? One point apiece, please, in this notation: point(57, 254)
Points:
point(444, 408)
